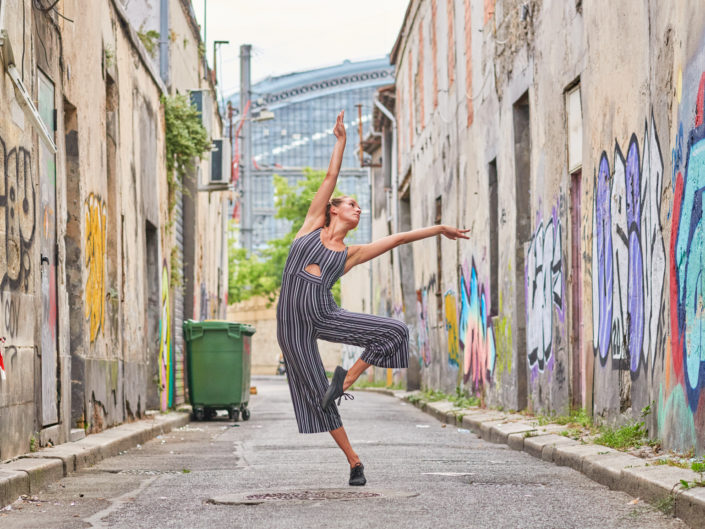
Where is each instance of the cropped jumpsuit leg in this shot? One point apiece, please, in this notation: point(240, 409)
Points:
point(307, 311)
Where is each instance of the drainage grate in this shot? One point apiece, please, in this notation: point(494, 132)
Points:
point(255, 498)
point(313, 495)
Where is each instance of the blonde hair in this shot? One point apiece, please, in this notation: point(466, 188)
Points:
point(337, 201)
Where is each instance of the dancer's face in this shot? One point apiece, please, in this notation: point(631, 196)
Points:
point(349, 211)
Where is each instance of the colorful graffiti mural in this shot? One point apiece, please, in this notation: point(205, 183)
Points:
point(422, 336)
point(628, 257)
point(166, 353)
point(96, 231)
point(451, 317)
point(475, 331)
point(687, 262)
point(544, 289)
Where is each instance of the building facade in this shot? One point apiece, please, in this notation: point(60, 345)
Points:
point(86, 285)
point(300, 136)
point(576, 168)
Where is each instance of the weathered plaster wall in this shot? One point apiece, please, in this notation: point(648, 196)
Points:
point(593, 298)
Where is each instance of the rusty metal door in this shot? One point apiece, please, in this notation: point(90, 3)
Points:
point(47, 218)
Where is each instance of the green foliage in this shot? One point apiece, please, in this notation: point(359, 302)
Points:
point(671, 463)
point(186, 141)
point(176, 279)
point(698, 466)
point(108, 57)
point(576, 418)
point(666, 504)
point(150, 40)
point(360, 383)
point(461, 400)
point(33, 443)
point(630, 435)
point(261, 275)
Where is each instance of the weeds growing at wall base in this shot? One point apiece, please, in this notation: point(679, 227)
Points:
point(360, 384)
point(666, 505)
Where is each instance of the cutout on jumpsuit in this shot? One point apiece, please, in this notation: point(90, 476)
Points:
point(313, 269)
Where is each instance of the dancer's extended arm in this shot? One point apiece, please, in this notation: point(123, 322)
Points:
point(316, 216)
point(364, 252)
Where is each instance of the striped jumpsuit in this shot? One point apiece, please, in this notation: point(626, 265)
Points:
point(306, 311)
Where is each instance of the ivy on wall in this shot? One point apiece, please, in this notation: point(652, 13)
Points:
point(186, 141)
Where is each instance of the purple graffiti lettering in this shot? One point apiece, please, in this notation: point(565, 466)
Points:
point(635, 291)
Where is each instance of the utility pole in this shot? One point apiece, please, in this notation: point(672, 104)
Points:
point(246, 200)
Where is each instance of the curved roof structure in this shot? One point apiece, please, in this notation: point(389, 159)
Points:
point(301, 86)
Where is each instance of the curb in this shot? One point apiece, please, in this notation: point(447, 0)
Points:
point(31, 472)
point(612, 468)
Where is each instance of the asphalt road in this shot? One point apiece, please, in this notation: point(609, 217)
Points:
point(420, 474)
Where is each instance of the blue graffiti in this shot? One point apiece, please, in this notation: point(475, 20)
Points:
point(690, 263)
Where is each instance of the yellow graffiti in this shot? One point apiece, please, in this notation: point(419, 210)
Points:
point(95, 264)
point(451, 313)
point(166, 372)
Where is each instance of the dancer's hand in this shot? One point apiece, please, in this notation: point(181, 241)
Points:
point(454, 233)
point(339, 129)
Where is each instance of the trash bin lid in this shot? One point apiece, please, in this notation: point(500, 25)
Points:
point(194, 328)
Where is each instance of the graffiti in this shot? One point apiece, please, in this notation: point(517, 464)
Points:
point(451, 316)
point(204, 302)
point(544, 288)
point(95, 264)
point(628, 257)
point(475, 331)
point(423, 334)
point(17, 215)
point(11, 316)
point(687, 262)
point(2, 362)
point(166, 368)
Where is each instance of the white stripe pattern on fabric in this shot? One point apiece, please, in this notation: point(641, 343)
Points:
point(307, 311)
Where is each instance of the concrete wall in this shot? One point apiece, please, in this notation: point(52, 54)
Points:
point(579, 286)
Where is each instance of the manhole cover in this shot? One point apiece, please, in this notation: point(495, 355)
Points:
point(257, 497)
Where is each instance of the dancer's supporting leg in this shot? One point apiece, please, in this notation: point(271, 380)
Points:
point(341, 438)
point(354, 372)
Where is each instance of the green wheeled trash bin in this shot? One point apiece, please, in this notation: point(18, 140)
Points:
point(218, 359)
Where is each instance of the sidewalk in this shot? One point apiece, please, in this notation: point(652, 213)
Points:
point(31, 472)
point(656, 484)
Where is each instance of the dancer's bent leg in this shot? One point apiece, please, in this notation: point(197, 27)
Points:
point(341, 438)
point(354, 372)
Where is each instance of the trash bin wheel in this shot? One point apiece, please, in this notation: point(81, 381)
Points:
point(245, 414)
point(234, 413)
point(198, 414)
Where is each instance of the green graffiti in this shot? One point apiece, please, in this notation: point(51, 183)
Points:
point(503, 342)
point(675, 420)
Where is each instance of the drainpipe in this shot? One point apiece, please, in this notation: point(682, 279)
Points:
point(395, 176)
point(164, 41)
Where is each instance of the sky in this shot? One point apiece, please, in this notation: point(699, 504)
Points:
point(294, 35)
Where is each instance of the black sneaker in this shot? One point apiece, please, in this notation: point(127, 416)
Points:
point(335, 390)
point(357, 475)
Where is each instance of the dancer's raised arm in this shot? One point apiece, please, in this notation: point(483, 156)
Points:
point(364, 252)
point(316, 216)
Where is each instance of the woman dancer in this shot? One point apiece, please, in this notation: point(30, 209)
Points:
point(306, 310)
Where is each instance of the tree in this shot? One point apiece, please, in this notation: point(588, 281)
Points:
point(262, 275)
